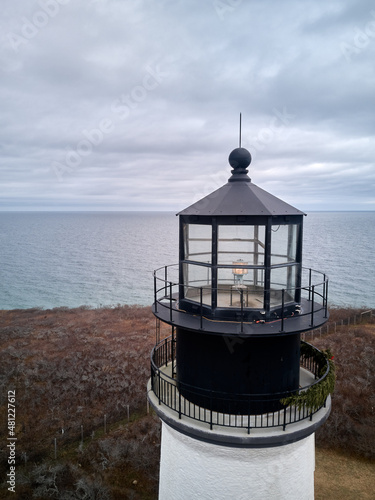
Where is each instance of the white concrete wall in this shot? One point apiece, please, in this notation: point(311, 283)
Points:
point(192, 469)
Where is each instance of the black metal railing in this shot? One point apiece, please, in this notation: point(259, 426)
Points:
point(314, 292)
point(169, 393)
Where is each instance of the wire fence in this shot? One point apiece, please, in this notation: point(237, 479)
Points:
point(82, 434)
point(85, 432)
point(334, 326)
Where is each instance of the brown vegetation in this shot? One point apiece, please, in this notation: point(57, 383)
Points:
point(339, 476)
point(75, 371)
point(350, 426)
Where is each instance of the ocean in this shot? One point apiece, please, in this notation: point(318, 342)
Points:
point(70, 259)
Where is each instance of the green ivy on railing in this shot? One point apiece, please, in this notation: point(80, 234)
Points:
point(315, 396)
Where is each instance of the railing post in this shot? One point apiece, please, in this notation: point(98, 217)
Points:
point(248, 416)
point(282, 309)
point(159, 386)
point(173, 355)
point(241, 294)
point(326, 294)
point(179, 405)
point(201, 300)
point(312, 305)
point(211, 410)
point(155, 296)
point(166, 352)
point(170, 301)
point(310, 284)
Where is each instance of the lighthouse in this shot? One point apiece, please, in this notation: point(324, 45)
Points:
point(239, 394)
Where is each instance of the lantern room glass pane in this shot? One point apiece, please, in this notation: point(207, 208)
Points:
point(284, 239)
point(198, 243)
point(241, 242)
point(195, 278)
point(283, 278)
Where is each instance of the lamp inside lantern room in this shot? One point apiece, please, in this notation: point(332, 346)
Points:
point(239, 272)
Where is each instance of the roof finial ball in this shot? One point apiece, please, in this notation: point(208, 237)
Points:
point(239, 160)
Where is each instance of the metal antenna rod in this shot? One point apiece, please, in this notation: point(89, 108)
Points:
point(240, 131)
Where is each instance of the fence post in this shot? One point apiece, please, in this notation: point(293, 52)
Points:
point(282, 309)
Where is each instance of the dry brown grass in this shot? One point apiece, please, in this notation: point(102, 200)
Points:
point(339, 476)
point(351, 424)
point(70, 367)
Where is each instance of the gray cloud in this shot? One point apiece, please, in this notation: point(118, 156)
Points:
point(134, 105)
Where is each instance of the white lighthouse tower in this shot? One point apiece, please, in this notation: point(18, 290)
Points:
point(240, 396)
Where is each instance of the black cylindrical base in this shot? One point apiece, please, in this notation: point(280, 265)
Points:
point(237, 375)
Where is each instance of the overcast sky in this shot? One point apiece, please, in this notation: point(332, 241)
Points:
point(134, 105)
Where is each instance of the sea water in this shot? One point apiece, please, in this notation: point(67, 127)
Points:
point(54, 259)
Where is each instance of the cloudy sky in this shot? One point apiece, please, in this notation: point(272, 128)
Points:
point(134, 105)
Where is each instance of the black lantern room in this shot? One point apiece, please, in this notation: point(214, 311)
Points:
point(243, 247)
point(240, 297)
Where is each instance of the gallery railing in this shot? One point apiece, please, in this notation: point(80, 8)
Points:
point(168, 392)
point(314, 293)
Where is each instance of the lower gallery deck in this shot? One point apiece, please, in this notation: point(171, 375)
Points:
point(167, 401)
point(272, 427)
